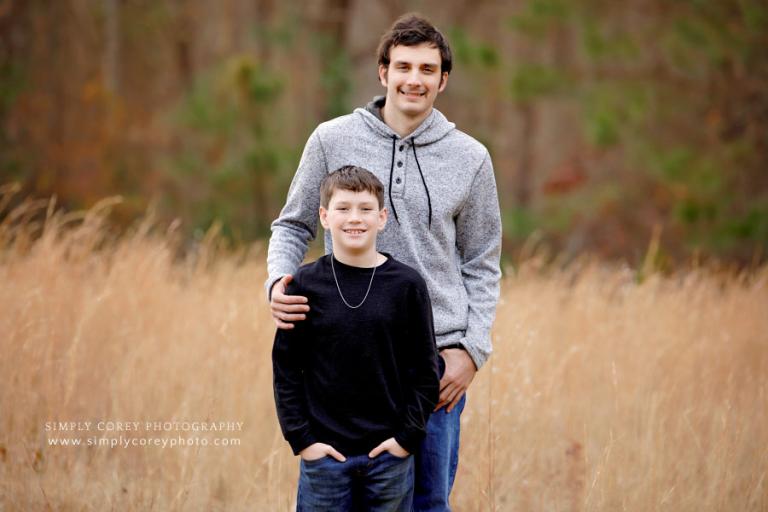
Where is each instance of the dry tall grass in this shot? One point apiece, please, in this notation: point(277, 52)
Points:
point(603, 394)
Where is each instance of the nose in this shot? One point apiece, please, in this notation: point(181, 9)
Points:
point(413, 77)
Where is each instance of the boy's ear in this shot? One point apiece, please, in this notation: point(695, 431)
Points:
point(383, 75)
point(383, 215)
point(324, 217)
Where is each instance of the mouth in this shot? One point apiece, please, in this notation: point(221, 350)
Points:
point(354, 231)
point(413, 94)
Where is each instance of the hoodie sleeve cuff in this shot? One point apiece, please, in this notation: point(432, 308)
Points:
point(410, 440)
point(271, 284)
point(479, 352)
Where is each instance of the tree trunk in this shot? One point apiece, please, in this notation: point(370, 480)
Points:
point(111, 64)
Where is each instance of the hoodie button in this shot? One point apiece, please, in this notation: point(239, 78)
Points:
point(399, 164)
point(398, 180)
point(402, 147)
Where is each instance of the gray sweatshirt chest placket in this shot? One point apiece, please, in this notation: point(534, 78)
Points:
point(400, 164)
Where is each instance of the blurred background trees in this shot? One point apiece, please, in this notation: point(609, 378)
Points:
point(607, 121)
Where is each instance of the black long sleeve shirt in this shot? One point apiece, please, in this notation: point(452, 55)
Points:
point(352, 378)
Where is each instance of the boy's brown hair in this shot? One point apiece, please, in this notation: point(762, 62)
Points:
point(410, 30)
point(354, 179)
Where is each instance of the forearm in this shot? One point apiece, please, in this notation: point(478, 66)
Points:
point(293, 418)
point(287, 248)
point(423, 383)
point(479, 234)
point(296, 225)
point(290, 397)
point(482, 297)
point(417, 411)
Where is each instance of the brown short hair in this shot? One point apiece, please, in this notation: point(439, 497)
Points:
point(353, 178)
point(410, 30)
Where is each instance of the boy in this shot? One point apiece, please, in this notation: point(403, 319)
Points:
point(356, 381)
point(441, 191)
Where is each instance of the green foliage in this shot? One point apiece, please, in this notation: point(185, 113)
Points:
point(669, 101)
point(532, 81)
point(538, 16)
point(599, 45)
point(519, 223)
point(472, 53)
point(603, 126)
point(12, 83)
point(753, 225)
point(692, 38)
point(717, 34)
point(335, 75)
point(755, 15)
point(613, 111)
point(688, 167)
point(550, 215)
point(140, 21)
point(282, 33)
point(657, 98)
point(228, 168)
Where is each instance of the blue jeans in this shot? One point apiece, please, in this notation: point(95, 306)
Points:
point(437, 460)
point(384, 483)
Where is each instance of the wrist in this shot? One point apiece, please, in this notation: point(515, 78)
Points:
point(310, 450)
point(272, 287)
point(460, 352)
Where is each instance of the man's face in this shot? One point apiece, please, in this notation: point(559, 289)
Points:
point(413, 78)
point(353, 219)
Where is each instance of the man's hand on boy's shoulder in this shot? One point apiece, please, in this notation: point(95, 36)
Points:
point(286, 308)
point(317, 451)
point(459, 372)
point(391, 446)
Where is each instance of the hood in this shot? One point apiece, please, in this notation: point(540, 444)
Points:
point(432, 129)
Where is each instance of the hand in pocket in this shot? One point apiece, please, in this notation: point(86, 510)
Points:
point(391, 446)
point(317, 451)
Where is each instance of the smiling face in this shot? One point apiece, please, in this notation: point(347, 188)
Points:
point(353, 219)
point(413, 79)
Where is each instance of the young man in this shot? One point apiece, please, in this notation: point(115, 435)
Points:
point(356, 381)
point(441, 191)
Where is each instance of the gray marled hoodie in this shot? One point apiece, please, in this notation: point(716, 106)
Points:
point(444, 214)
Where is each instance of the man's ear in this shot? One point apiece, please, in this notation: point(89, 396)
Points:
point(443, 82)
point(324, 217)
point(383, 74)
point(383, 215)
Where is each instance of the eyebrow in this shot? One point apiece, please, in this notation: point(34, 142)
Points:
point(347, 203)
point(425, 64)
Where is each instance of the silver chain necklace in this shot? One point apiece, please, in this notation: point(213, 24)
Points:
point(339, 288)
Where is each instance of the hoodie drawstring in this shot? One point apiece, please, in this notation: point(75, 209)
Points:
point(429, 199)
point(423, 181)
point(391, 170)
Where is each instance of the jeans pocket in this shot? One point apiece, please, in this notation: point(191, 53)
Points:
point(386, 452)
point(314, 461)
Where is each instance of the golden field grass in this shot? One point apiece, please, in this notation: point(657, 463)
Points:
point(603, 394)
